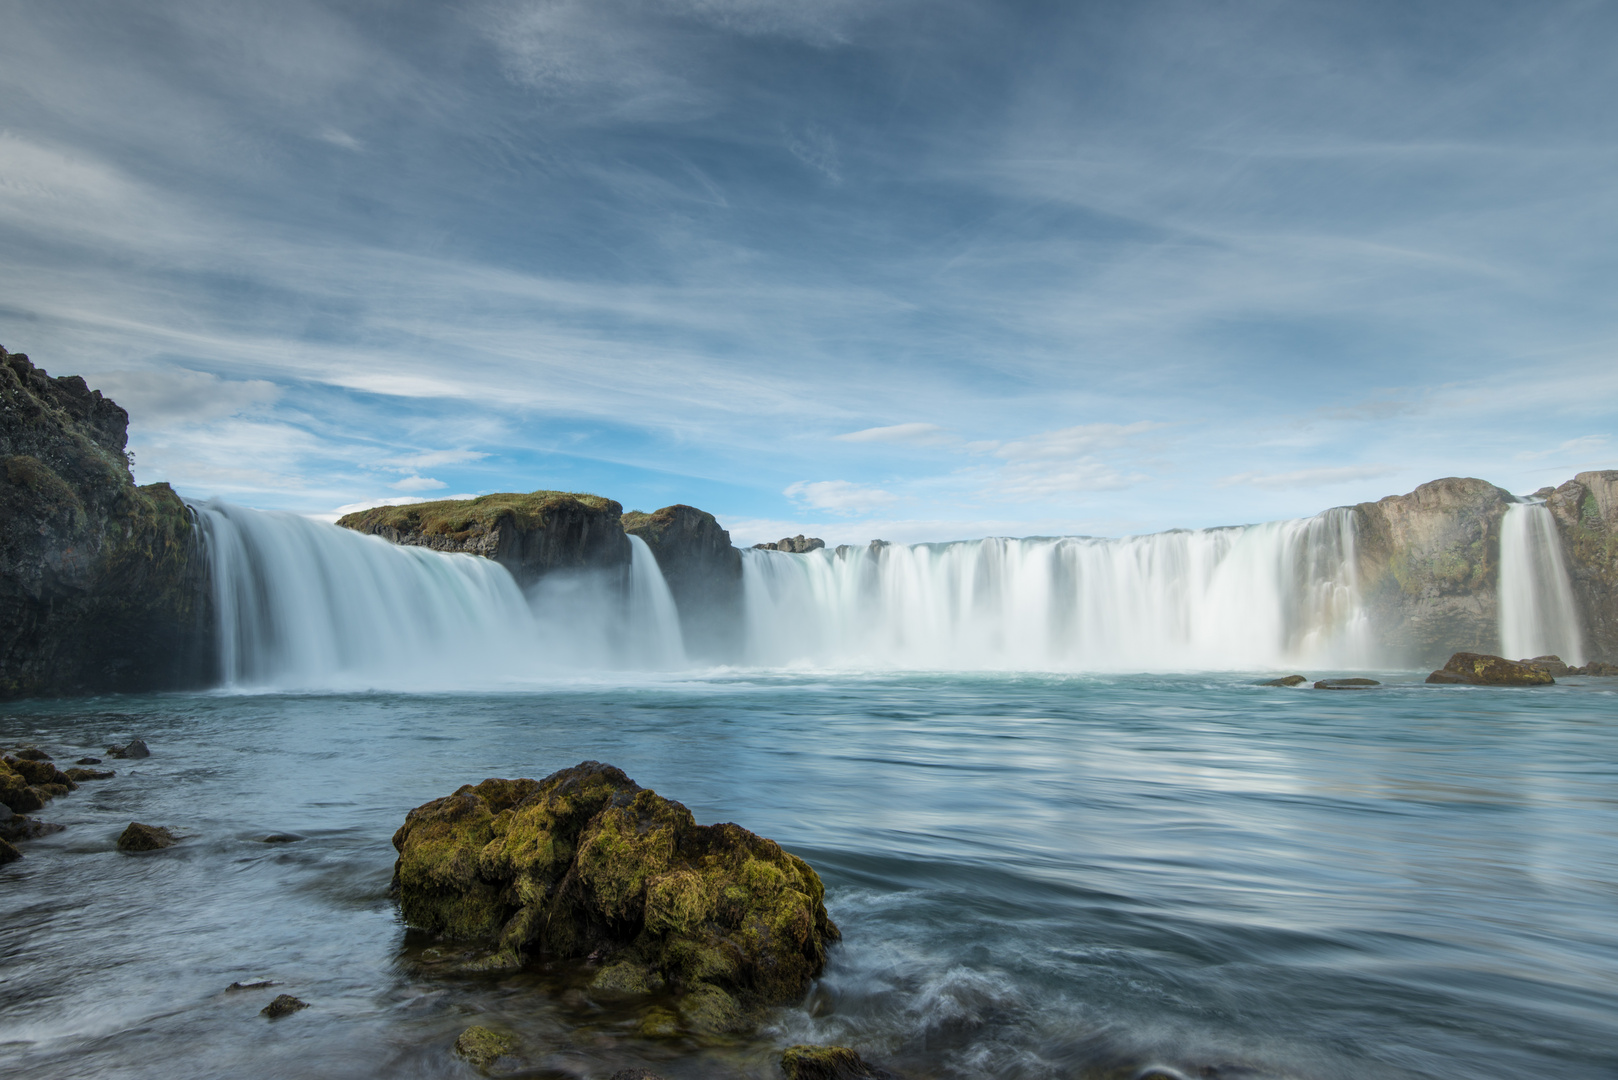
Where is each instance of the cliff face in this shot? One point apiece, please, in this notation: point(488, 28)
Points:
point(1429, 569)
point(1586, 513)
point(102, 583)
point(704, 574)
point(530, 535)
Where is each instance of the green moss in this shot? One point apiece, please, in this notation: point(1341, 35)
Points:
point(658, 1023)
point(625, 978)
point(823, 1063)
point(483, 1046)
point(708, 1010)
point(41, 481)
point(458, 519)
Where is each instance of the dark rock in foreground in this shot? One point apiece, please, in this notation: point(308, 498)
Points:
point(588, 863)
point(138, 837)
point(1345, 684)
point(1481, 669)
point(135, 748)
point(1285, 680)
point(829, 1063)
point(283, 1005)
point(8, 853)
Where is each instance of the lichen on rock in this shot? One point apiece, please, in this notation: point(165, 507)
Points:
point(483, 1046)
point(1481, 669)
point(588, 863)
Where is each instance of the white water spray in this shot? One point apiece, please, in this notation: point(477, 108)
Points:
point(304, 605)
point(654, 623)
point(1262, 596)
point(1538, 615)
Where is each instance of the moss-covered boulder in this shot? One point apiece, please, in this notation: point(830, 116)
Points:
point(587, 863)
point(483, 1046)
point(1481, 669)
point(138, 837)
point(806, 1062)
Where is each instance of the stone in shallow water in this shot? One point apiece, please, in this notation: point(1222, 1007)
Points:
point(78, 776)
point(135, 748)
point(88, 761)
point(805, 1062)
point(1345, 684)
point(588, 862)
point(261, 984)
point(483, 1046)
point(636, 1074)
point(1482, 669)
point(1285, 680)
point(138, 837)
point(283, 1005)
point(33, 753)
point(8, 853)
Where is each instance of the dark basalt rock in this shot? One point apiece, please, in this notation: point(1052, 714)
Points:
point(135, 748)
point(531, 535)
point(8, 853)
point(80, 775)
point(796, 545)
point(283, 1005)
point(1595, 667)
point(1551, 665)
point(805, 1062)
point(588, 863)
point(1481, 669)
point(1345, 684)
point(261, 984)
point(32, 753)
point(636, 1074)
point(1285, 680)
point(138, 837)
point(102, 583)
point(88, 761)
point(704, 575)
point(280, 838)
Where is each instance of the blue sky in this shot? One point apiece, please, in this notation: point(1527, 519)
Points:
point(857, 269)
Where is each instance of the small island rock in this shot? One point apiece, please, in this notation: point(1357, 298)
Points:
point(138, 837)
point(484, 1046)
point(1345, 684)
point(1285, 680)
point(1481, 669)
point(135, 748)
point(283, 1005)
point(804, 1062)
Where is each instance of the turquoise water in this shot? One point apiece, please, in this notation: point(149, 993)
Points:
point(1035, 877)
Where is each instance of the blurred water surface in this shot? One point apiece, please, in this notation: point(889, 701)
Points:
point(1035, 877)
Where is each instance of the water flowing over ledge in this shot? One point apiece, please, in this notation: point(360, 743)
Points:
point(1538, 615)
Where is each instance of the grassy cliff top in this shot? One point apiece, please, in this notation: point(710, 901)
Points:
point(465, 517)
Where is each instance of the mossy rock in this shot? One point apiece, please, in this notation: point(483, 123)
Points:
point(805, 1062)
point(586, 862)
point(483, 1046)
point(458, 519)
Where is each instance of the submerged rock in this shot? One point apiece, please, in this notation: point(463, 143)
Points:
point(1285, 680)
point(636, 1074)
point(1481, 669)
point(283, 1005)
point(483, 1046)
point(88, 761)
point(138, 837)
point(32, 753)
point(135, 748)
point(1345, 684)
point(587, 862)
point(81, 775)
point(805, 1062)
point(260, 984)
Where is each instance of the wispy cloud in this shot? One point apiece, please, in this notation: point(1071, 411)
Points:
point(925, 434)
point(1571, 448)
point(839, 496)
point(1307, 478)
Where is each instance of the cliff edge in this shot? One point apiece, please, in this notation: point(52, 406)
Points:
point(704, 574)
point(102, 583)
point(1586, 513)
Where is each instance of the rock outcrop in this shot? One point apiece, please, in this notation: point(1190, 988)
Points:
point(704, 575)
point(586, 863)
point(797, 545)
point(1586, 513)
point(1481, 669)
point(1429, 568)
point(102, 583)
point(531, 535)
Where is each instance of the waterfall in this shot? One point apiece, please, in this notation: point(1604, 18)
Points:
point(305, 605)
point(654, 624)
point(1538, 615)
point(1262, 596)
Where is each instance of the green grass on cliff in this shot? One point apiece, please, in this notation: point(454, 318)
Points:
point(460, 518)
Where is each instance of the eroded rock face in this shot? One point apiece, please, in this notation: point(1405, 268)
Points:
point(798, 545)
point(1429, 568)
point(102, 583)
point(1586, 513)
point(586, 863)
point(1481, 669)
point(704, 574)
point(529, 534)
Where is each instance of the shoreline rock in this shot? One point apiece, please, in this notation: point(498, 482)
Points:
point(138, 837)
point(1346, 684)
point(587, 863)
point(1483, 669)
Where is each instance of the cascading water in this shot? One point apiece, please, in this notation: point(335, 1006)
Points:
point(1538, 615)
point(654, 623)
point(1260, 596)
point(304, 605)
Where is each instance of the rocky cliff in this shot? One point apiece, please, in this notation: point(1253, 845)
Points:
point(1586, 513)
point(704, 574)
point(102, 583)
point(531, 535)
point(1429, 567)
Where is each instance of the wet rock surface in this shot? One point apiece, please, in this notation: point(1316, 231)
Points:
point(586, 863)
point(138, 837)
point(1346, 684)
point(134, 748)
point(804, 1062)
point(1285, 680)
point(1482, 669)
point(283, 1005)
point(483, 1046)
